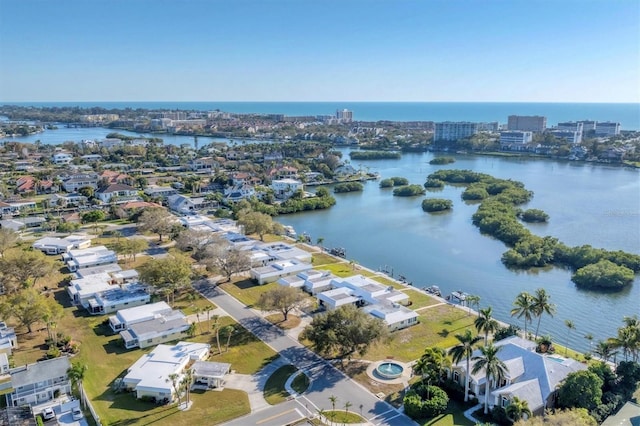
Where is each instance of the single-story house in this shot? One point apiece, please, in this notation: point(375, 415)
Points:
point(77, 259)
point(149, 375)
point(149, 325)
point(120, 191)
point(125, 318)
point(53, 245)
point(278, 269)
point(395, 316)
point(118, 297)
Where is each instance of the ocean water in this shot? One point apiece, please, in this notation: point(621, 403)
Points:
point(627, 114)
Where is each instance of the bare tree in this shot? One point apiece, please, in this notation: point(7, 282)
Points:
point(282, 299)
point(225, 259)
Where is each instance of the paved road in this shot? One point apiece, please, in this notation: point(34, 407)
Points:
point(325, 379)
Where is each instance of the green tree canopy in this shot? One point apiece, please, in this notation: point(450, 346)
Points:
point(581, 389)
point(344, 331)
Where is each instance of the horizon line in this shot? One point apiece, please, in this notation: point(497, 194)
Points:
point(332, 101)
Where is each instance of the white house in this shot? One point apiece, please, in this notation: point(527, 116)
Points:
point(118, 297)
point(127, 317)
point(61, 158)
point(75, 182)
point(8, 339)
point(53, 245)
point(149, 375)
point(531, 376)
point(80, 290)
point(181, 204)
point(262, 254)
point(312, 281)
point(285, 188)
point(239, 192)
point(77, 259)
point(38, 383)
point(122, 192)
point(278, 269)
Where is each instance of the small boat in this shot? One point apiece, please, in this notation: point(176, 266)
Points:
point(290, 232)
point(338, 251)
point(434, 289)
point(460, 295)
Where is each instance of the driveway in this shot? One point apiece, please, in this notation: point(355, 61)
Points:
point(326, 381)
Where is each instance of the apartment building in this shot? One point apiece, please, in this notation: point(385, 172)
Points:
point(453, 131)
point(530, 123)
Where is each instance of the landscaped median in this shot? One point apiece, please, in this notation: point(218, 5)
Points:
point(274, 388)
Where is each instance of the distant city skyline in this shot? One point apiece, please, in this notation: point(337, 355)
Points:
point(291, 50)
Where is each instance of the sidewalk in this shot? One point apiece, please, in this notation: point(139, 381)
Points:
point(254, 384)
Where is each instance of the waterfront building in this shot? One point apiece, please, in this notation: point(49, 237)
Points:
point(570, 136)
point(607, 128)
point(61, 158)
point(515, 139)
point(453, 131)
point(284, 189)
point(276, 270)
point(572, 126)
point(531, 123)
point(532, 377)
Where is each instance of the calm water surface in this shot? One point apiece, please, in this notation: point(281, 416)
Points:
point(588, 204)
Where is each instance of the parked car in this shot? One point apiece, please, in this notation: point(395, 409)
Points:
point(77, 413)
point(48, 414)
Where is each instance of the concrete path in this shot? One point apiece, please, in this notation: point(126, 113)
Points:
point(469, 413)
point(253, 385)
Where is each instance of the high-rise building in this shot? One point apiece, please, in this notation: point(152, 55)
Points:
point(607, 128)
point(528, 123)
point(453, 131)
point(344, 116)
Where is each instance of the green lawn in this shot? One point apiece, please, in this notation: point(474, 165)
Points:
point(437, 327)
point(323, 259)
point(274, 392)
point(453, 416)
point(419, 299)
point(342, 417)
point(247, 291)
point(343, 269)
point(387, 281)
point(300, 383)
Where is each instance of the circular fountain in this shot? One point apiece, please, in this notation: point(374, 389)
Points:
point(389, 370)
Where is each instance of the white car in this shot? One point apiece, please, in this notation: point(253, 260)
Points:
point(48, 414)
point(77, 413)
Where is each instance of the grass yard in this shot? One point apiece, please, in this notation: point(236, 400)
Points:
point(278, 320)
point(343, 417)
point(437, 327)
point(216, 407)
point(300, 383)
point(387, 281)
point(419, 299)
point(453, 416)
point(344, 269)
point(274, 392)
point(319, 259)
point(246, 290)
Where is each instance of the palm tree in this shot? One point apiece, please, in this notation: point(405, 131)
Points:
point(347, 405)
point(541, 305)
point(627, 340)
point(187, 381)
point(333, 400)
point(464, 351)
point(229, 332)
point(198, 310)
point(570, 326)
point(517, 409)
point(76, 373)
point(431, 364)
point(175, 383)
point(216, 329)
point(604, 350)
point(494, 369)
point(473, 300)
point(523, 307)
point(485, 323)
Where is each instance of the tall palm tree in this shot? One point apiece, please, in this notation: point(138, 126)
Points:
point(632, 325)
point(485, 323)
point(333, 399)
point(464, 351)
point(174, 379)
point(494, 369)
point(187, 381)
point(542, 305)
point(627, 340)
point(523, 307)
point(76, 373)
point(473, 300)
point(604, 350)
point(570, 326)
point(517, 409)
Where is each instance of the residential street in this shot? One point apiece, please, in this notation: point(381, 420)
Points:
point(325, 379)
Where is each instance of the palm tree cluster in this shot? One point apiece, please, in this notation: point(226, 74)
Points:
point(627, 340)
point(529, 306)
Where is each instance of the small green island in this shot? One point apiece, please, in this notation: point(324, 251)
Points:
point(375, 155)
point(438, 161)
point(409, 191)
point(393, 181)
point(348, 187)
point(431, 205)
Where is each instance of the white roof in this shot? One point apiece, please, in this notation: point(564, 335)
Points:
point(92, 284)
point(92, 255)
point(391, 314)
point(52, 242)
point(142, 313)
point(338, 296)
point(152, 370)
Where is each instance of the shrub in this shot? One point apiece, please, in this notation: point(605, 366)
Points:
point(53, 352)
point(434, 184)
point(534, 215)
point(442, 160)
point(504, 332)
point(348, 187)
point(416, 406)
point(604, 274)
point(436, 204)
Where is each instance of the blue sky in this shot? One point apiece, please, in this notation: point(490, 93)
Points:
point(320, 50)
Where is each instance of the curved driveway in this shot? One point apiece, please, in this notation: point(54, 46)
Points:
point(326, 380)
